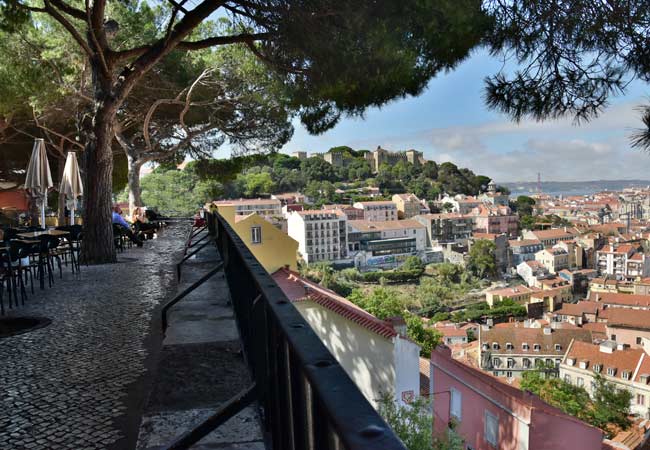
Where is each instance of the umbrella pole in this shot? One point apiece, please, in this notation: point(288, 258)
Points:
point(71, 216)
point(43, 204)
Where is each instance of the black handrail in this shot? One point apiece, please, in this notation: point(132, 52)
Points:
point(308, 401)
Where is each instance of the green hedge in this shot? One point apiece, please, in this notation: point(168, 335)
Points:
point(394, 276)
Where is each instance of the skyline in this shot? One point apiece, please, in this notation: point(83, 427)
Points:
point(450, 122)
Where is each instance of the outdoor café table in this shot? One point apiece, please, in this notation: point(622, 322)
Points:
point(54, 233)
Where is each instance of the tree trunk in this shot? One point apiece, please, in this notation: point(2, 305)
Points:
point(97, 244)
point(135, 193)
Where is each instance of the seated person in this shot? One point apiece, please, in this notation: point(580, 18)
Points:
point(141, 223)
point(199, 220)
point(119, 220)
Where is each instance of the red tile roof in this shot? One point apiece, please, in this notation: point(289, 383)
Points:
point(621, 360)
point(628, 300)
point(628, 318)
point(578, 309)
point(298, 289)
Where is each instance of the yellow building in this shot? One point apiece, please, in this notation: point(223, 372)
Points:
point(272, 248)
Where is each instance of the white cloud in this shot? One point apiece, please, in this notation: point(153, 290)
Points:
point(560, 150)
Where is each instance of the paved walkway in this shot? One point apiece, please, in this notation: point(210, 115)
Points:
point(81, 382)
point(200, 367)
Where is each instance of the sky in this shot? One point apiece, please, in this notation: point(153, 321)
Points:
point(450, 122)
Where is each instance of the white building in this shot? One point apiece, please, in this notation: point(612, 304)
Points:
point(622, 261)
point(385, 244)
point(246, 206)
point(321, 234)
point(376, 354)
point(378, 211)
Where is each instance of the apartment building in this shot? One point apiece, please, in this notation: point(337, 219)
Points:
point(446, 228)
point(622, 261)
point(496, 220)
point(489, 414)
point(245, 206)
point(378, 211)
point(617, 300)
point(462, 204)
point(321, 234)
point(553, 259)
point(523, 250)
point(624, 367)
point(578, 313)
point(532, 272)
point(350, 211)
point(509, 351)
point(408, 205)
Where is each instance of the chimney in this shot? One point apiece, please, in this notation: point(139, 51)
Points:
point(398, 323)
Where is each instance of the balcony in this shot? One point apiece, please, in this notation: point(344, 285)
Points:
point(304, 397)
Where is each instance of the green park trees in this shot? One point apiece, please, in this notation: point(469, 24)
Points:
point(318, 51)
point(482, 259)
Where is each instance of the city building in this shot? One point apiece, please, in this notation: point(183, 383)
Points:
point(578, 313)
point(452, 335)
point(616, 300)
point(551, 237)
point(300, 155)
point(496, 220)
point(376, 354)
point(408, 205)
point(462, 204)
point(509, 351)
point(622, 261)
point(553, 259)
point(321, 234)
point(489, 414)
point(627, 326)
point(520, 294)
point(446, 228)
point(268, 243)
point(523, 250)
point(350, 211)
point(290, 198)
point(626, 368)
point(384, 244)
point(532, 272)
point(334, 158)
point(377, 211)
point(246, 206)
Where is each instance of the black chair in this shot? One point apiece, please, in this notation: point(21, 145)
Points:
point(118, 234)
point(13, 271)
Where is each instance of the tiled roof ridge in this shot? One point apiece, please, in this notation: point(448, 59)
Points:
point(335, 303)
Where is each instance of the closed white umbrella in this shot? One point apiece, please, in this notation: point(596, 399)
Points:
point(71, 184)
point(39, 177)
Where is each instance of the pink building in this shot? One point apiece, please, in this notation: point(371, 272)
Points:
point(493, 415)
point(627, 326)
point(496, 220)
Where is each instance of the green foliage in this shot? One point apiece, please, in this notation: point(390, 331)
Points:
point(413, 263)
point(500, 310)
point(414, 425)
point(178, 192)
point(381, 303)
point(394, 276)
point(426, 338)
point(482, 259)
point(608, 406)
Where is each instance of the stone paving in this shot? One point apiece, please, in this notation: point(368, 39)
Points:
point(81, 382)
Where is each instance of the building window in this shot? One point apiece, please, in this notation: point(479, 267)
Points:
point(491, 428)
point(526, 363)
point(537, 347)
point(456, 404)
point(567, 378)
point(613, 337)
point(509, 374)
point(256, 235)
point(525, 346)
point(640, 399)
point(496, 362)
point(580, 382)
point(639, 341)
point(558, 347)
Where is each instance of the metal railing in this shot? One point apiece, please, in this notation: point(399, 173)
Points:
point(306, 398)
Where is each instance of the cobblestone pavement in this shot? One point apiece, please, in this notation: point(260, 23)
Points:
point(80, 383)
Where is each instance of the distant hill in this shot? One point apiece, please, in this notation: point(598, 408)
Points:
point(573, 187)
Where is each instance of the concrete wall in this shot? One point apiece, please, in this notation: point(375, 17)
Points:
point(627, 336)
point(406, 355)
point(365, 356)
